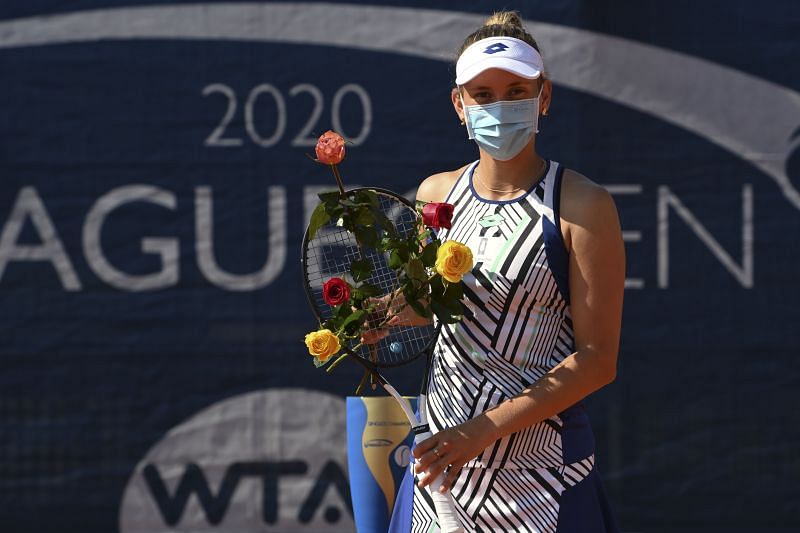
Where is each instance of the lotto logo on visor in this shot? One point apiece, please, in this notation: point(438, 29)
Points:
point(517, 57)
point(496, 47)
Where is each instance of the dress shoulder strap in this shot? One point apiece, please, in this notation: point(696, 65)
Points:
point(462, 183)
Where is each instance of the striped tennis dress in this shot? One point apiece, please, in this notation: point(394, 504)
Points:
point(516, 328)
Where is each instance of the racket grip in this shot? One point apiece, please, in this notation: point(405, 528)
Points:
point(445, 508)
point(443, 502)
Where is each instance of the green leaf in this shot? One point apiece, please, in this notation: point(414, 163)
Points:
point(366, 236)
point(318, 363)
point(340, 312)
point(368, 289)
point(364, 217)
point(415, 270)
point(367, 197)
point(335, 211)
point(437, 285)
point(415, 291)
point(454, 306)
point(402, 250)
point(319, 218)
point(353, 322)
point(447, 296)
point(429, 254)
point(360, 199)
point(355, 316)
point(422, 310)
point(362, 292)
point(384, 222)
point(361, 269)
point(444, 314)
point(386, 243)
point(331, 197)
point(454, 291)
point(395, 261)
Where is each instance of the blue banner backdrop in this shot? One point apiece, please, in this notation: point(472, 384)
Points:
point(154, 193)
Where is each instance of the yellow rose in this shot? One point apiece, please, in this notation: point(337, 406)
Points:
point(322, 344)
point(453, 260)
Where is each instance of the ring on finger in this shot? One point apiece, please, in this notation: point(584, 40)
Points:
point(447, 469)
point(436, 452)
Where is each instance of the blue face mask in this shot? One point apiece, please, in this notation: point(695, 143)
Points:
point(503, 128)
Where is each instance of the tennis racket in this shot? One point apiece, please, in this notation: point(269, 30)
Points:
point(329, 254)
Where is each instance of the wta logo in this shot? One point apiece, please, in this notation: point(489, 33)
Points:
point(272, 460)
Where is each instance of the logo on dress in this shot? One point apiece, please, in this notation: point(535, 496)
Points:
point(490, 221)
point(494, 48)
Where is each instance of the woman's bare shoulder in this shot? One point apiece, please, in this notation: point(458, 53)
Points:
point(585, 205)
point(435, 188)
point(575, 187)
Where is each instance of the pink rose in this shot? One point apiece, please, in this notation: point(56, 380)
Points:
point(330, 148)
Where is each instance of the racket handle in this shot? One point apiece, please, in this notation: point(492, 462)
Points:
point(443, 502)
point(445, 508)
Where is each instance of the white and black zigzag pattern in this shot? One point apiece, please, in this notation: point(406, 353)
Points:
point(516, 325)
point(498, 499)
point(516, 328)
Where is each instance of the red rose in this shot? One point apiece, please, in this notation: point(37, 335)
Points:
point(437, 215)
point(335, 291)
point(330, 148)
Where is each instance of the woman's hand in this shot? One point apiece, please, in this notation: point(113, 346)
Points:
point(452, 448)
point(381, 319)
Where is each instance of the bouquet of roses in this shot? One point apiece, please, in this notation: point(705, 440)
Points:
point(429, 272)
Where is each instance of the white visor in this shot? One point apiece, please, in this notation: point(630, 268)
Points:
point(506, 53)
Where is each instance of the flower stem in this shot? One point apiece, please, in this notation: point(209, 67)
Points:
point(338, 177)
point(336, 362)
point(362, 382)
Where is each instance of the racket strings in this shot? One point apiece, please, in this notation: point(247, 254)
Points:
point(331, 253)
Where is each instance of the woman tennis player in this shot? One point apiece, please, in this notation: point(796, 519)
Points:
point(543, 307)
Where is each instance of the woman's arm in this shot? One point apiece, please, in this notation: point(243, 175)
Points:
point(434, 188)
point(596, 280)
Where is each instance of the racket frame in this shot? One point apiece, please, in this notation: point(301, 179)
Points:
point(312, 302)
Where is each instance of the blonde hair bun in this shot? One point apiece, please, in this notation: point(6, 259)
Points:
point(504, 18)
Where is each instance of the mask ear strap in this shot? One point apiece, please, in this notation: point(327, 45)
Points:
point(544, 113)
point(470, 134)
